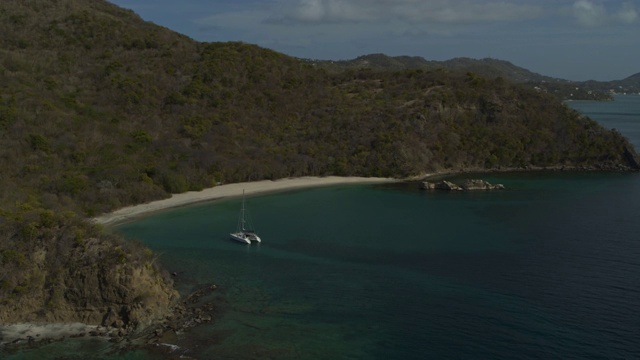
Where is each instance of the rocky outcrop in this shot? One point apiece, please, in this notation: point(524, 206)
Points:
point(160, 338)
point(468, 185)
point(475, 184)
point(632, 158)
point(442, 185)
point(196, 309)
point(98, 282)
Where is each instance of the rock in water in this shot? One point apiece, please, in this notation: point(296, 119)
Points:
point(468, 185)
point(475, 184)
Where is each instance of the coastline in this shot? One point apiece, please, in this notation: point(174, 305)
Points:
point(130, 213)
point(229, 190)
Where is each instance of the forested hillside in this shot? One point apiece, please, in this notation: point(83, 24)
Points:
point(99, 109)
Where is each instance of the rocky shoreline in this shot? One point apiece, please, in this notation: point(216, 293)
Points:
point(161, 337)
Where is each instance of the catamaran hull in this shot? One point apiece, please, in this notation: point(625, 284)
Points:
point(240, 238)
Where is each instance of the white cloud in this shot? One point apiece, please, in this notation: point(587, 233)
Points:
point(328, 11)
point(434, 11)
point(591, 13)
point(628, 13)
point(468, 12)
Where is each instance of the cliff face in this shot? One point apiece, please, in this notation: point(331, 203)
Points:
point(129, 295)
point(70, 272)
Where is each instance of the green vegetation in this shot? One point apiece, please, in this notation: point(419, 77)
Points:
point(99, 109)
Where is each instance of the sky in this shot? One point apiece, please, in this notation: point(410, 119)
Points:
point(568, 39)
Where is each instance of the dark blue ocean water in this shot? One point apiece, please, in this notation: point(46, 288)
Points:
point(622, 115)
point(547, 269)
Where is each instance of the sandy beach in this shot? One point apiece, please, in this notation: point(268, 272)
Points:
point(228, 190)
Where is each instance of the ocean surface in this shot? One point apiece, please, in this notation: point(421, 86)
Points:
point(547, 269)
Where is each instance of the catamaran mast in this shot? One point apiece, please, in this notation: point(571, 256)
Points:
point(242, 212)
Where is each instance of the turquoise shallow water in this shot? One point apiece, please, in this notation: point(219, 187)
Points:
point(548, 268)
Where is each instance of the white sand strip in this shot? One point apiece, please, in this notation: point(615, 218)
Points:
point(228, 190)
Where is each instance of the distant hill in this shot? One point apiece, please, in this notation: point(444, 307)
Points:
point(629, 85)
point(100, 109)
point(633, 79)
point(491, 68)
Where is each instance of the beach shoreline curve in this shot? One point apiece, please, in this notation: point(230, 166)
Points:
point(130, 213)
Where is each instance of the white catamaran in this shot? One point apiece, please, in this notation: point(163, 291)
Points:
point(244, 235)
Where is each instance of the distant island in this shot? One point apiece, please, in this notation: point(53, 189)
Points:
point(100, 110)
